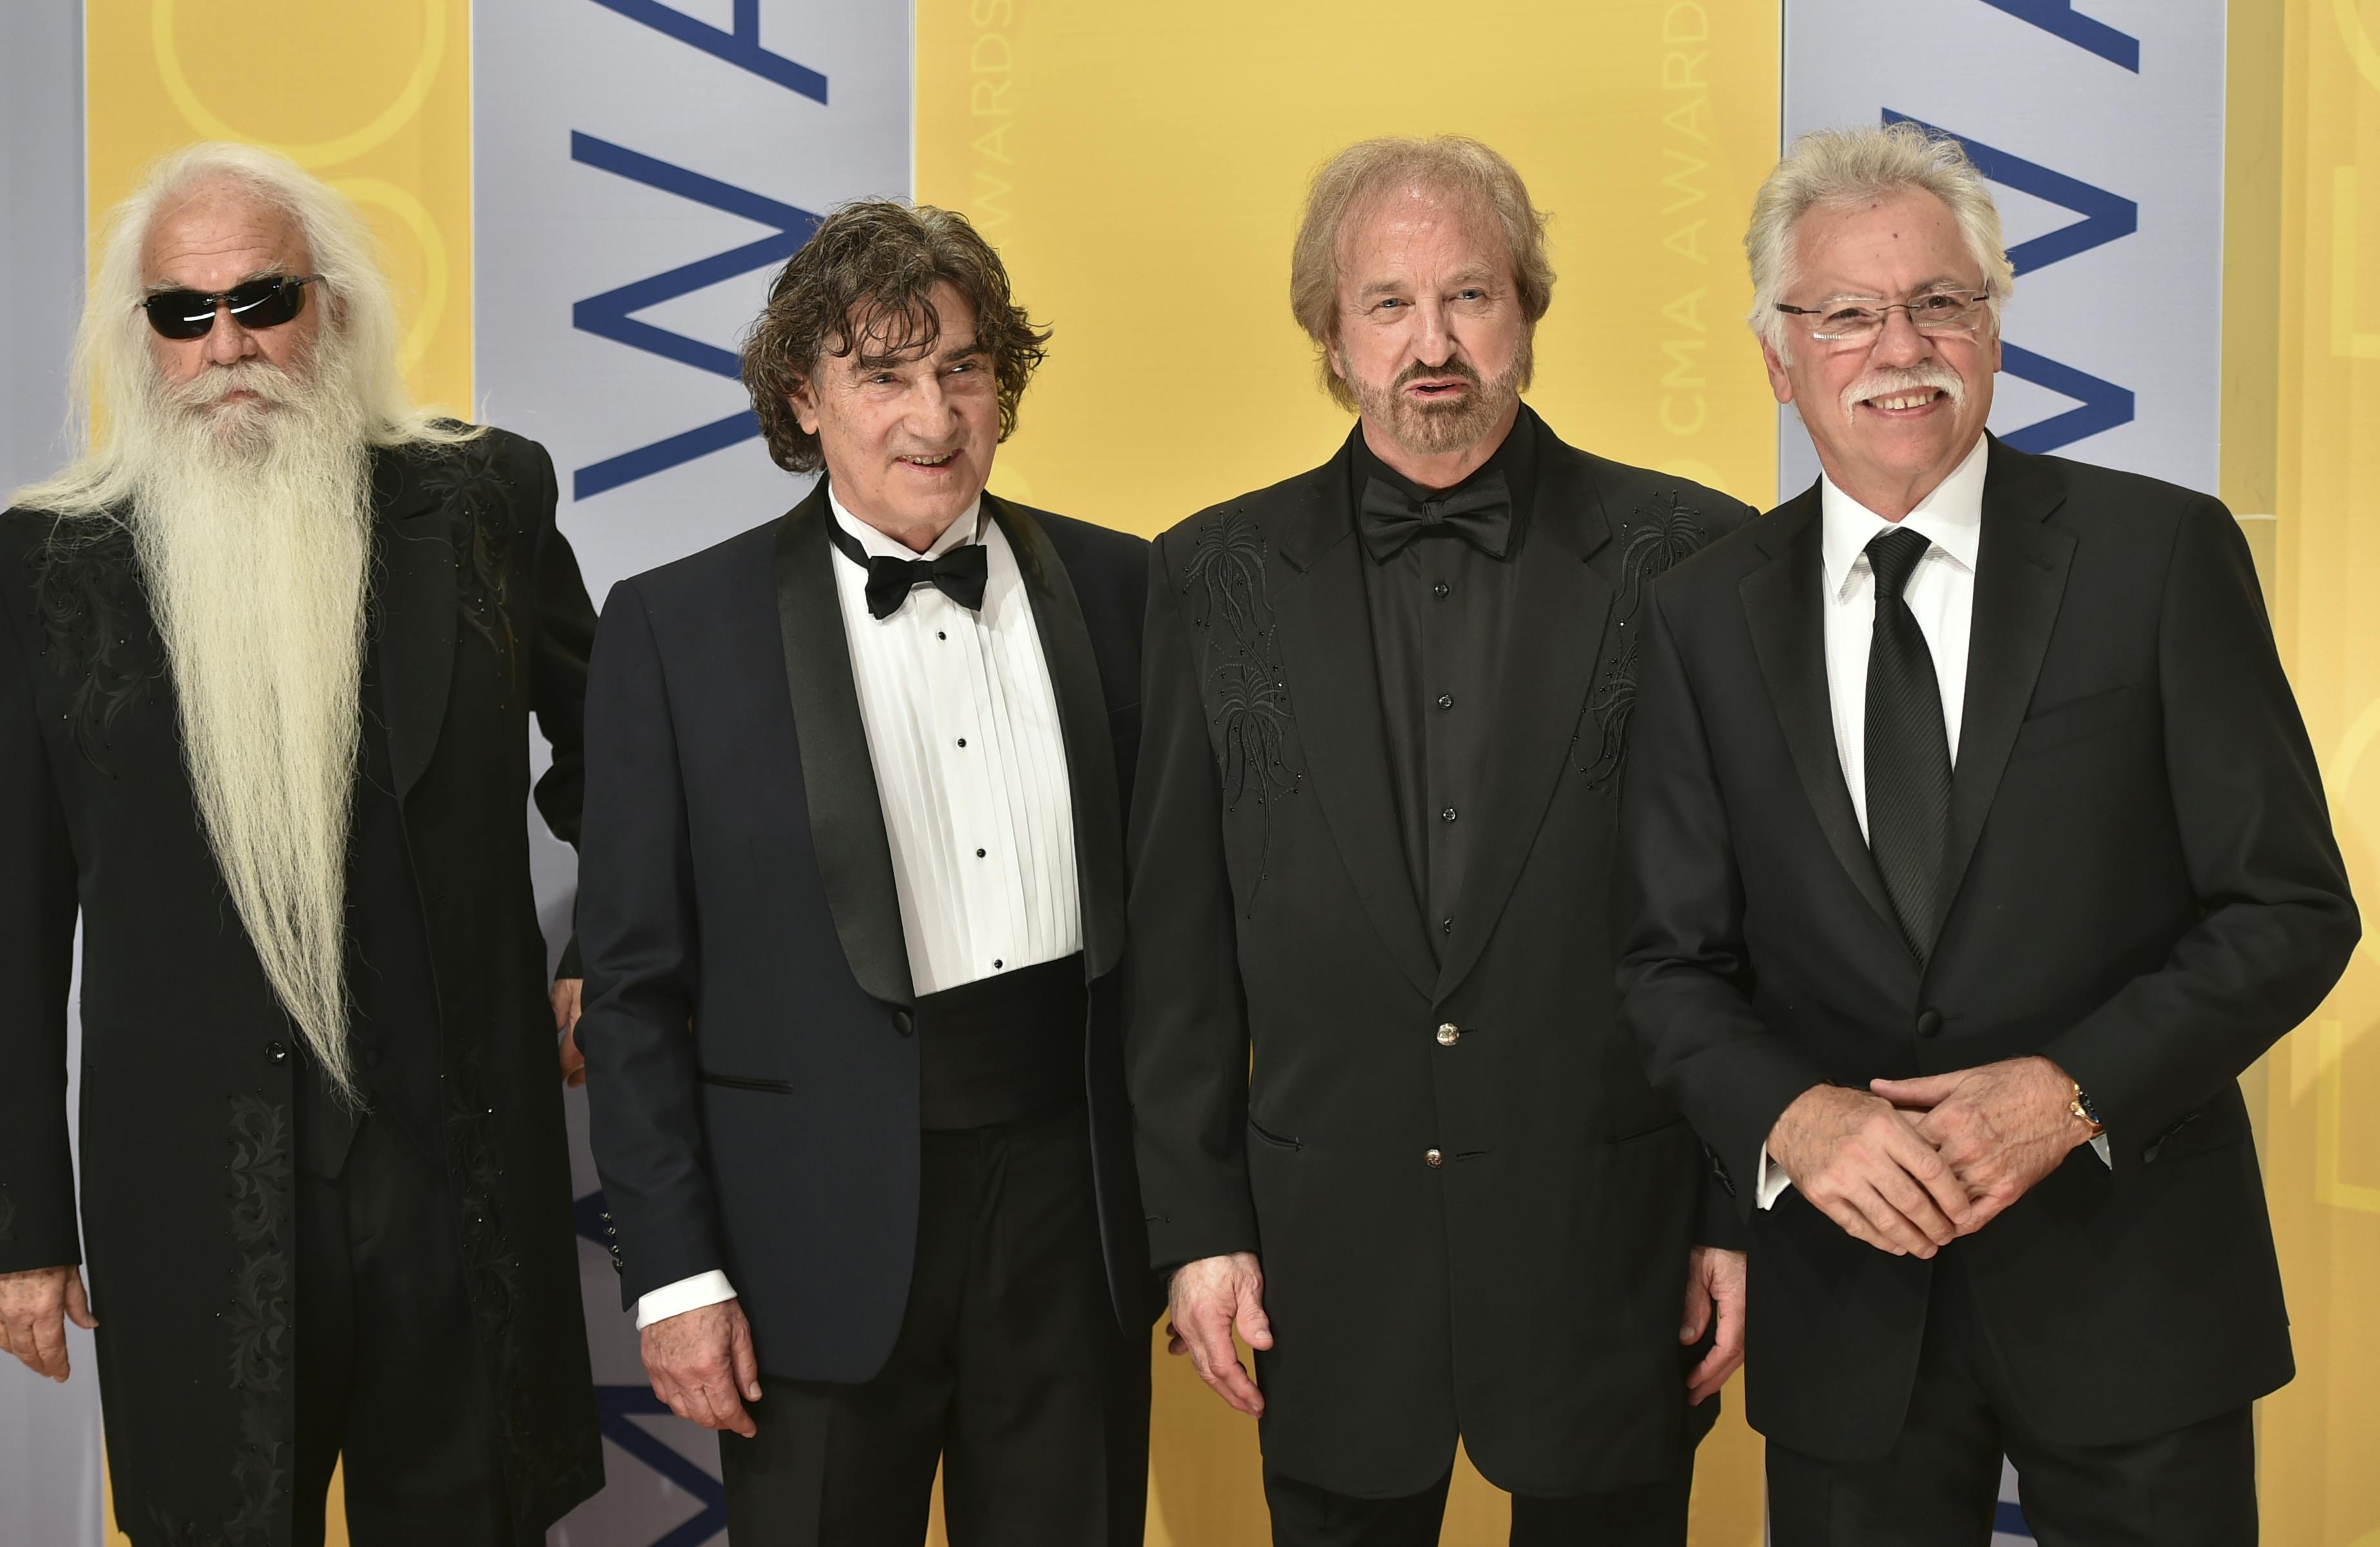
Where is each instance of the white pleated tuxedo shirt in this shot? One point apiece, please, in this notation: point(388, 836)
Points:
point(970, 762)
point(1941, 595)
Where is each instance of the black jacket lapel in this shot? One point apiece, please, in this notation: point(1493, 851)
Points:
point(854, 858)
point(1083, 719)
point(1326, 634)
point(417, 617)
point(2020, 566)
point(1555, 638)
point(1785, 605)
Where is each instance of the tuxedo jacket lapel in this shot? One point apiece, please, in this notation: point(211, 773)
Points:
point(2021, 567)
point(1326, 636)
point(1083, 719)
point(416, 596)
point(1785, 605)
point(855, 857)
point(1556, 637)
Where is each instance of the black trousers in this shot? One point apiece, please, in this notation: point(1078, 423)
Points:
point(1009, 1372)
point(1308, 1515)
point(1938, 1487)
point(388, 1365)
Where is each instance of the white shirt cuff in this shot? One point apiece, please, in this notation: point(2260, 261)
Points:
point(1772, 1181)
point(686, 1293)
point(1771, 1184)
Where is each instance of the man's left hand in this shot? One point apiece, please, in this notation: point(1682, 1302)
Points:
point(2001, 1126)
point(565, 1022)
point(1714, 1279)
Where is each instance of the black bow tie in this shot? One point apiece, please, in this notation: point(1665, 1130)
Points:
point(1481, 513)
point(958, 573)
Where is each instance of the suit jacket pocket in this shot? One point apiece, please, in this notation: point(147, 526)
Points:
point(2221, 1122)
point(1277, 1140)
point(2076, 718)
point(1639, 1128)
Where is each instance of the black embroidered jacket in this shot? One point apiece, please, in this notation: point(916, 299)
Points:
point(188, 1064)
point(1473, 1210)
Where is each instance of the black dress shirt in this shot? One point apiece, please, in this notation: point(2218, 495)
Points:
point(1438, 607)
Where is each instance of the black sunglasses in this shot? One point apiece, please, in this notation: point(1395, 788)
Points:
point(259, 303)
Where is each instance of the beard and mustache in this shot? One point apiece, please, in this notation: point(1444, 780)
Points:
point(251, 522)
point(1427, 428)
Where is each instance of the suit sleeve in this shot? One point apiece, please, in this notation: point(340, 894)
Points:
point(1684, 977)
point(566, 633)
point(37, 918)
point(2278, 924)
point(636, 925)
point(1185, 1026)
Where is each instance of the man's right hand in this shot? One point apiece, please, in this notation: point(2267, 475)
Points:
point(702, 1365)
point(1208, 1299)
point(34, 1305)
point(1864, 1165)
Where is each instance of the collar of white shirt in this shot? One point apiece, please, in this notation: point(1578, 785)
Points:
point(1951, 517)
point(874, 543)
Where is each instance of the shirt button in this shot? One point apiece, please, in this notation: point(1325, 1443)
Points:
point(1432, 1159)
point(996, 964)
point(962, 741)
point(275, 1053)
point(940, 635)
point(1446, 815)
point(1440, 589)
point(1445, 700)
point(978, 854)
point(1449, 1034)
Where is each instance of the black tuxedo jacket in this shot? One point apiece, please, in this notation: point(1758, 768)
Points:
point(2141, 885)
point(752, 1070)
point(1489, 1236)
point(190, 1073)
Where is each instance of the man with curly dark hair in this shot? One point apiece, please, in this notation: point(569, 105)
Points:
point(1386, 707)
point(852, 927)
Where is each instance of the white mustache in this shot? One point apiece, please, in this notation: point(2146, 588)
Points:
point(1893, 381)
point(210, 387)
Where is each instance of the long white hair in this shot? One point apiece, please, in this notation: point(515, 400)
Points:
point(111, 348)
point(247, 493)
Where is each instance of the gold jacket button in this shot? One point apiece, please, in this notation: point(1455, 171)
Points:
point(1449, 1034)
point(1432, 1157)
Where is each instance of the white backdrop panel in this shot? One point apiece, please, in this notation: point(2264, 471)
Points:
point(640, 172)
point(2101, 126)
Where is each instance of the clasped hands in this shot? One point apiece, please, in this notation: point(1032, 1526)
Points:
point(1909, 1165)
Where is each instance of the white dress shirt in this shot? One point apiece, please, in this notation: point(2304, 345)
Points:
point(1941, 594)
point(970, 762)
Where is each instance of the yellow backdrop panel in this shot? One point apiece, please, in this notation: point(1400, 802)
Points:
point(376, 99)
point(1140, 168)
point(2322, 348)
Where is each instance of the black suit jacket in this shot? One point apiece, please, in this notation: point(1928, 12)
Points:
point(189, 1077)
point(1521, 1288)
point(2141, 885)
point(752, 1071)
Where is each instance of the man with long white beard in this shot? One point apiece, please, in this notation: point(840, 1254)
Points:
point(268, 650)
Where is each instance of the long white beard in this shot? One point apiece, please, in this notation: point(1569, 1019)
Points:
point(252, 527)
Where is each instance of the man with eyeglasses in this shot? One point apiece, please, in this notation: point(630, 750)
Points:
point(269, 648)
point(1974, 848)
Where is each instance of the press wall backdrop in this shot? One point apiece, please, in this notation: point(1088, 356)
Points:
point(582, 201)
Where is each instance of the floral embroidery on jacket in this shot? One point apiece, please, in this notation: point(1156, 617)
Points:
point(1664, 531)
point(1248, 695)
point(86, 591)
point(262, 1340)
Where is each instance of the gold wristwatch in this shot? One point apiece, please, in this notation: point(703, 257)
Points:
point(2081, 1107)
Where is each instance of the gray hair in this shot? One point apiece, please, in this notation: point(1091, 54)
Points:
point(1841, 166)
point(1445, 163)
point(110, 355)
